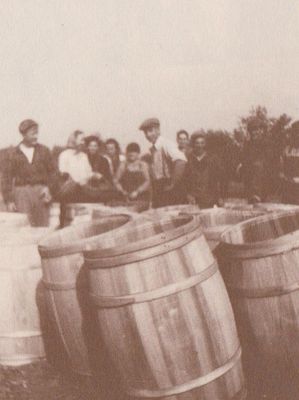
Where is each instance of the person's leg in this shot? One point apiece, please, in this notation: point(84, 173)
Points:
point(41, 210)
point(160, 197)
point(24, 202)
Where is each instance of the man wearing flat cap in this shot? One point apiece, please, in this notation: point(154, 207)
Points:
point(27, 176)
point(167, 166)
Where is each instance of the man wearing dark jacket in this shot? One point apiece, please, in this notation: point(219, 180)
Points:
point(202, 174)
point(28, 175)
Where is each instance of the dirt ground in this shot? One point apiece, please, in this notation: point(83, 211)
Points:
point(40, 381)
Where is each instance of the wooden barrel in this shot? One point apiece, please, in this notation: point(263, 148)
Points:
point(266, 207)
point(167, 332)
point(20, 274)
point(171, 210)
point(270, 207)
point(260, 264)
point(213, 220)
point(8, 219)
point(65, 283)
point(136, 206)
point(101, 210)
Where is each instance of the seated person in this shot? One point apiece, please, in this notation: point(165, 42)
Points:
point(132, 178)
point(98, 163)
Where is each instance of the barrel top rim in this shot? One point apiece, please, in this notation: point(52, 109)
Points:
point(76, 246)
point(269, 247)
point(158, 239)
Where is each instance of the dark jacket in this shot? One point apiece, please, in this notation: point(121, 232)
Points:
point(202, 179)
point(19, 172)
point(100, 164)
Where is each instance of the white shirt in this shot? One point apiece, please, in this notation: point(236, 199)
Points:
point(76, 164)
point(165, 153)
point(170, 149)
point(27, 151)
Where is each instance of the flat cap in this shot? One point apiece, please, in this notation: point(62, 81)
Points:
point(27, 124)
point(149, 123)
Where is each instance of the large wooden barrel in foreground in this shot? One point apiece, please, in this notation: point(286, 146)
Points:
point(65, 282)
point(20, 273)
point(260, 264)
point(164, 312)
point(11, 220)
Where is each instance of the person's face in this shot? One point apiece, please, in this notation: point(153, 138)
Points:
point(79, 141)
point(93, 147)
point(111, 149)
point(199, 146)
point(152, 134)
point(30, 137)
point(132, 156)
point(183, 141)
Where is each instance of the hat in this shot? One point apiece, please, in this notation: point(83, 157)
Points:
point(149, 123)
point(26, 124)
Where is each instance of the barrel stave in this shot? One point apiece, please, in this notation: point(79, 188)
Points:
point(66, 289)
point(21, 340)
point(173, 339)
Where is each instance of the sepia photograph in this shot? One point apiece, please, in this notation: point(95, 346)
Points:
point(149, 200)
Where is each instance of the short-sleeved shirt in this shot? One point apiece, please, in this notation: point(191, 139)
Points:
point(164, 153)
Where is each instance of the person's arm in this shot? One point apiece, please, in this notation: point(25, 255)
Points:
point(88, 173)
point(179, 162)
point(188, 184)
point(216, 177)
point(62, 162)
point(7, 184)
point(50, 168)
point(106, 169)
point(145, 186)
point(118, 175)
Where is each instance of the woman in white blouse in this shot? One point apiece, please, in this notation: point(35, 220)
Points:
point(73, 161)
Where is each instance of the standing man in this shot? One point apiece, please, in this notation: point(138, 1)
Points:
point(182, 138)
point(167, 166)
point(202, 175)
point(27, 176)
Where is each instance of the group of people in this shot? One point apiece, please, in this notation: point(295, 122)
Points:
point(88, 170)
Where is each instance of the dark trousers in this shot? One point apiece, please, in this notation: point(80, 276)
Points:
point(28, 200)
point(162, 198)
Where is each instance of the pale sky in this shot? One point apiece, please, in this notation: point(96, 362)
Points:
point(105, 65)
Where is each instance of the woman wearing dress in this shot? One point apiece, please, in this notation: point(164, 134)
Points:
point(132, 178)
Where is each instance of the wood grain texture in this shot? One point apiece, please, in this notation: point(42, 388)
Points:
point(259, 260)
point(164, 312)
point(65, 281)
point(21, 339)
point(214, 221)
